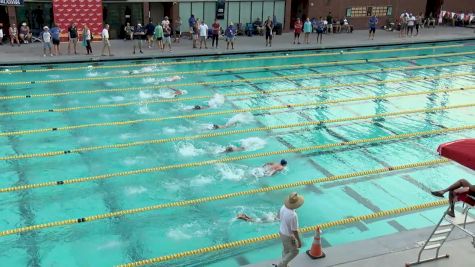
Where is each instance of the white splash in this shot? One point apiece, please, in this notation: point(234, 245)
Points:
point(231, 172)
point(134, 190)
point(179, 129)
point(151, 80)
point(244, 118)
point(187, 149)
point(253, 143)
point(216, 101)
point(109, 245)
point(134, 160)
point(92, 74)
point(201, 181)
point(188, 231)
point(111, 99)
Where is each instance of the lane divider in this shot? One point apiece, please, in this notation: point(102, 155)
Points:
point(237, 81)
point(241, 69)
point(227, 133)
point(255, 93)
point(327, 225)
point(198, 201)
point(230, 159)
point(224, 112)
point(227, 60)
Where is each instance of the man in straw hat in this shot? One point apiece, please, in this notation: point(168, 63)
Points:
point(288, 228)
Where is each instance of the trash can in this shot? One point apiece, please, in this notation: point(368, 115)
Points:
point(278, 28)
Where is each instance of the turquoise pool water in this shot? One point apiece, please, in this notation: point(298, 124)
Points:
point(107, 242)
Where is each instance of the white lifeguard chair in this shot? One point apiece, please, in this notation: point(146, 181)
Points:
point(442, 232)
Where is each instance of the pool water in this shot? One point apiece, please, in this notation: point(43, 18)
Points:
point(101, 89)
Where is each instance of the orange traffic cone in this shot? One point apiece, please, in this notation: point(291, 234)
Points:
point(316, 251)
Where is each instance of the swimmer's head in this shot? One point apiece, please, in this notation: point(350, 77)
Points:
point(283, 162)
point(215, 126)
point(229, 149)
point(197, 107)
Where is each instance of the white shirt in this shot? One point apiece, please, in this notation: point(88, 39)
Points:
point(345, 22)
point(1, 33)
point(288, 221)
point(105, 34)
point(204, 30)
point(46, 37)
point(410, 21)
point(88, 35)
point(165, 22)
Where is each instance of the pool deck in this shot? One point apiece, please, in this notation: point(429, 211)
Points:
point(388, 251)
point(33, 54)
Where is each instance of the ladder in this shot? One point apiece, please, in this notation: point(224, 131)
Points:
point(441, 233)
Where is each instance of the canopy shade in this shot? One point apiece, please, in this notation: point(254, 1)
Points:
point(461, 151)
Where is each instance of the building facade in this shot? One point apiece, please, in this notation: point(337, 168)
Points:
point(117, 13)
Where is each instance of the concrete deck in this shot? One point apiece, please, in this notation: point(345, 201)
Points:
point(33, 53)
point(391, 251)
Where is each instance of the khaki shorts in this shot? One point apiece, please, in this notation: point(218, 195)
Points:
point(106, 42)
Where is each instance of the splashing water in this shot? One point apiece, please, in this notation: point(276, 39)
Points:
point(134, 190)
point(187, 149)
point(253, 143)
point(231, 172)
point(244, 118)
point(201, 181)
point(111, 99)
point(216, 101)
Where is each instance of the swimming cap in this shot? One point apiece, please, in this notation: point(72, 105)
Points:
point(197, 107)
point(283, 162)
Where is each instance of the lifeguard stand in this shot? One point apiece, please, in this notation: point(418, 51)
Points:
point(442, 232)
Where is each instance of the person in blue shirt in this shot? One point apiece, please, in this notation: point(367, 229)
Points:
point(373, 21)
point(191, 23)
point(55, 36)
point(230, 34)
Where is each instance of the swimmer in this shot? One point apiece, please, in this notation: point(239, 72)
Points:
point(274, 168)
point(174, 78)
point(176, 92)
point(245, 217)
point(198, 107)
point(227, 125)
point(232, 148)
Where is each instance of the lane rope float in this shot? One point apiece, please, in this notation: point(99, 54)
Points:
point(263, 92)
point(240, 81)
point(92, 67)
point(228, 133)
point(229, 159)
point(198, 201)
point(241, 69)
point(224, 112)
point(254, 240)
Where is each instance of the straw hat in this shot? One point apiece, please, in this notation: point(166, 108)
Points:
point(293, 201)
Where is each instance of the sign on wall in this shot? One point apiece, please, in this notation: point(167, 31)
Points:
point(11, 2)
point(220, 5)
point(81, 12)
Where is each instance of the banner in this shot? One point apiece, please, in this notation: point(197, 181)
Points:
point(81, 12)
point(220, 5)
point(11, 2)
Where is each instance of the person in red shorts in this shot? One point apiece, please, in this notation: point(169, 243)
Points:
point(461, 190)
point(297, 30)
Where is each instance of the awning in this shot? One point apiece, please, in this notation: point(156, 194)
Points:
point(461, 151)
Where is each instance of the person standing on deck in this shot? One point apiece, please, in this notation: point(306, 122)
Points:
point(289, 226)
point(373, 22)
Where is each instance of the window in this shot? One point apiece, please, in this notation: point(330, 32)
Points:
point(358, 11)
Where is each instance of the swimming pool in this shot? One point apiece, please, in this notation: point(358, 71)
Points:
point(82, 140)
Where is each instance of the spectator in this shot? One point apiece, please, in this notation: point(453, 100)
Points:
point(165, 21)
point(55, 36)
point(149, 30)
point(325, 24)
point(167, 36)
point(314, 22)
point(215, 34)
point(329, 22)
point(203, 28)
point(346, 25)
point(192, 24)
point(307, 29)
point(269, 25)
point(177, 28)
point(461, 190)
point(373, 22)
point(297, 30)
point(72, 38)
point(258, 26)
point(1, 34)
point(46, 38)
point(320, 29)
point(411, 20)
point(196, 34)
point(430, 20)
point(336, 25)
point(230, 35)
point(419, 22)
point(86, 39)
point(105, 40)
point(129, 32)
point(158, 33)
point(139, 35)
point(25, 34)
point(13, 33)
point(403, 22)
